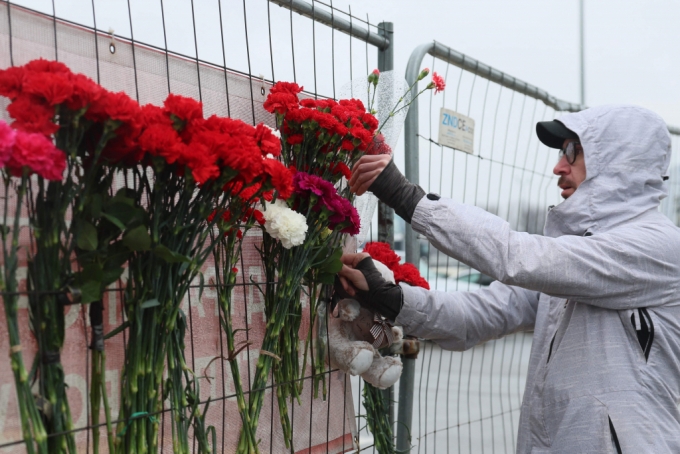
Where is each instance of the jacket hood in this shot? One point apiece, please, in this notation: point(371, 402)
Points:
point(627, 151)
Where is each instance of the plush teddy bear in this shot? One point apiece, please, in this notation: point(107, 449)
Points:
point(354, 336)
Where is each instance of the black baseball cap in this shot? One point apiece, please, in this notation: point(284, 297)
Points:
point(553, 133)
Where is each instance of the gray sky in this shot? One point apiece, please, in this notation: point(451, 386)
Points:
point(632, 47)
point(632, 51)
point(631, 57)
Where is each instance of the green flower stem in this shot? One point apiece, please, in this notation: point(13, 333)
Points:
point(377, 411)
point(177, 211)
point(32, 427)
point(283, 314)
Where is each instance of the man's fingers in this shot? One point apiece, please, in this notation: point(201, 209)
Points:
point(352, 259)
point(364, 164)
point(355, 277)
point(362, 183)
point(347, 285)
point(367, 164)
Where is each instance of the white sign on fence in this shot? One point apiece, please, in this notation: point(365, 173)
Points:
point(456, 131)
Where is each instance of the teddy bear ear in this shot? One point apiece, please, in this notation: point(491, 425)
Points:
point(348, 309)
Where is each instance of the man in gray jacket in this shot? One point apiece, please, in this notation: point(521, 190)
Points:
point(600, 288)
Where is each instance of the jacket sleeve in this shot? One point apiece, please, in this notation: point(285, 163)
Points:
point(461, 320)
point(621, 269)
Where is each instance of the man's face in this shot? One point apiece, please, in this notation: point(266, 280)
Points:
point(571, 175)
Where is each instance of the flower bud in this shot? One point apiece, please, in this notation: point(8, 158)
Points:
point(423, 74)
point(373, 77)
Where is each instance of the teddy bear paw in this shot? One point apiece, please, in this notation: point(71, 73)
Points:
point(361, 362)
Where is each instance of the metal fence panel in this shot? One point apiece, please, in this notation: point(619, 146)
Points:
point(236, 51)
point(469, 402)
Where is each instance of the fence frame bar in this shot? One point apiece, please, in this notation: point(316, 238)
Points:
point(382, 42)
point(412, 172)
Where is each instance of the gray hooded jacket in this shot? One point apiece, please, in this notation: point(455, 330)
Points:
point(600, 291)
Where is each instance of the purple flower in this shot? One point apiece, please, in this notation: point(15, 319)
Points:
point(343, 214)
point(303, 182)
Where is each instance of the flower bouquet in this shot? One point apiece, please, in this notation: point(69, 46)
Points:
point(303, 233)
point(388, 98)
point(18, 158)
point(53, 106)
point(194, 176)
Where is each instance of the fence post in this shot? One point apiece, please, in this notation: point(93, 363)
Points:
point(406, 382)
point(385, 213)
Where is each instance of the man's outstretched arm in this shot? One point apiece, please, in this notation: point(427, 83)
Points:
point(454, 320)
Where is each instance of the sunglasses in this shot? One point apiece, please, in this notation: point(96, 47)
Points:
point(571, 151)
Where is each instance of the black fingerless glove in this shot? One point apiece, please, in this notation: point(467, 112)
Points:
point(397, 192)
point(382, 296)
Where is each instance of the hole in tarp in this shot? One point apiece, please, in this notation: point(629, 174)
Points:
point(112, 48)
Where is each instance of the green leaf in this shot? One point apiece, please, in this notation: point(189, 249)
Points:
point(123, 196)
point(332, 264)
point(326, 278)
point(137, 239)
point(114, 220)
point(117, 330)
point(87, 236)
point(111, 276)
point(122, 212)
point(90, 291)
point(95, 204)
point(150, 303)
point(91, 272)
point(170, 256)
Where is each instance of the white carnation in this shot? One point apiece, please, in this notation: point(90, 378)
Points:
point(284, 224)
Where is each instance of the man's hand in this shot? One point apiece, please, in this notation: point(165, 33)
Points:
point(363, 281)
point(366, 170)
point(379, 174)
point(351, 278)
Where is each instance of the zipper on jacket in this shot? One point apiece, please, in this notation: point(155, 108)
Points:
point(551, 346)
point(615, 439)
point(555, 335)
point(644, 328)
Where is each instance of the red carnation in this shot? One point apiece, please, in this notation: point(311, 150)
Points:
point(115, 106)
point(48, 66)
point(341, 167)
point(268, 142)
point(183, 107)
point(437, 83)
point(282, 98)
point(409, 274)
point(51, 87)
point(11, 80)
point(281, 178)
point(32, 115)
point(286, 87)
point(85, 92)
point(378, 146)
point(280, 103)
point(38, 154)
point(383, 253)
point(370, 121)
point(295, 139)
point(259, 217)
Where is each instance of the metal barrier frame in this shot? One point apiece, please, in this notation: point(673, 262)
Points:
point(411, 171)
